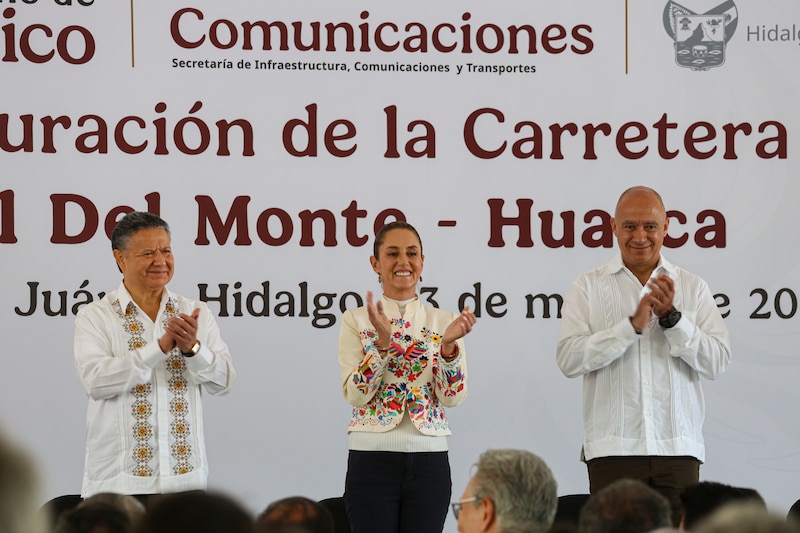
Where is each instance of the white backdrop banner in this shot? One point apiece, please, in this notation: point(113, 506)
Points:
point(275, 137)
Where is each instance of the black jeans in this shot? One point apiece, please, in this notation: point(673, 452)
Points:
point(393, 492)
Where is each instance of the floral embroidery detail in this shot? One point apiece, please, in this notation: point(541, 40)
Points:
point(431, 336)
point(180, 449)
point(455, 382)
point(178, 428)
point(142, 410)
point(416, 403)
point(400, 323)
point(131, 324)
point(370, 335)
point(411, 361)
point(177, 384)
point(142, 407)
point(382, 412)
point(407, 358)
point(364, 376)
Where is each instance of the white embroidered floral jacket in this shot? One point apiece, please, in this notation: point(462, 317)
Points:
point(413, 377)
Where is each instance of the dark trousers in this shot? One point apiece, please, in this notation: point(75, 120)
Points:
point(394, 492)
point(666, 475)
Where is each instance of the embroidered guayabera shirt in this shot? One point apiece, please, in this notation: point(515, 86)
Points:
point(144, 422)
point(641, 393)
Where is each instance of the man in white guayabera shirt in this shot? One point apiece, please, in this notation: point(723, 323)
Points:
point(143, 353)
point(642, 331)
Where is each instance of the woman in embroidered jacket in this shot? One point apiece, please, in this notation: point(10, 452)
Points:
point(401, 363)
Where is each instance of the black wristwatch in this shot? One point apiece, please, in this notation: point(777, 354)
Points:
point(670, 319)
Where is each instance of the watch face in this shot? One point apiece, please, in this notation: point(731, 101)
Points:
point(671, 319)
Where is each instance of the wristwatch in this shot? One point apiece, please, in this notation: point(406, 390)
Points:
point(670, 319)
point(193, 350)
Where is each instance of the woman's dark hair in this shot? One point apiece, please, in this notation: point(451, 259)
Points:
point(397, 224)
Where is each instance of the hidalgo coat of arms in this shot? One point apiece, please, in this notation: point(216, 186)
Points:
point(700, 39)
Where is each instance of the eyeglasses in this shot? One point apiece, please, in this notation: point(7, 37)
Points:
point(457, 505)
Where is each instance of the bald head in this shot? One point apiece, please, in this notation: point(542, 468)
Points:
point(637, 191)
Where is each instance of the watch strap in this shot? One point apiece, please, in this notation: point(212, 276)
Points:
point(193, 350)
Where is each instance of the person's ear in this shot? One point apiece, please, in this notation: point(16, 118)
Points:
point(374, 262)
point(487, 516)
point(119, 257)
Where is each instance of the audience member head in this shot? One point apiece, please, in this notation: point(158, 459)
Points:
point(106, 512)
point(195, 512)
point(703, 498)
point(19, 498)
point(295, 514)
point(124, 502)
point(95, 517)
point(794, 513)
point(512, 491)
point(569, 509)
point(747, 517)
point(625, 506)
point(563, 527)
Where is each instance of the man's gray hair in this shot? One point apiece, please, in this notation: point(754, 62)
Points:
point(130, 224)
point(522, 488)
